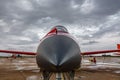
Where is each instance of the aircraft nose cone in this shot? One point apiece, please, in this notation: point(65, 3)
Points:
point(58, 52)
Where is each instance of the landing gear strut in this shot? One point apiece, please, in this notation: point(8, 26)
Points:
point(46, 75)
point(71, 75)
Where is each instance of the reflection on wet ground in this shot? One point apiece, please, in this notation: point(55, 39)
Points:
point(26, 69)
point(102, 63)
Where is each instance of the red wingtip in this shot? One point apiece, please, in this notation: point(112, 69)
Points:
point(118, 46)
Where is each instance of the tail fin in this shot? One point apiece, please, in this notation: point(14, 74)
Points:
point(118, 46)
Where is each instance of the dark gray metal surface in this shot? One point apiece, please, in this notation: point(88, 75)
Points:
point(58, 53)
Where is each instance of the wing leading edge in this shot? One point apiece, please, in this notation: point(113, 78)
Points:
point(18, 52)
point(99, 52)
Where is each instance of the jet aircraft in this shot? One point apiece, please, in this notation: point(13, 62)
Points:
point(58, 52)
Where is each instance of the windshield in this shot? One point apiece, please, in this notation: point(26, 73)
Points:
point(61, 29)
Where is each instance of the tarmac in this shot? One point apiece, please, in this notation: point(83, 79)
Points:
point(27, 69)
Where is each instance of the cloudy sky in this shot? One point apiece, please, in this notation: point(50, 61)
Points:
point(94, 23)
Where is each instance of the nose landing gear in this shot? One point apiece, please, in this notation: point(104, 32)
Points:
point(59, 76)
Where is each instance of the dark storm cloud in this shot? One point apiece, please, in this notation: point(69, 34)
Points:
point(107, 7)
point(58, 9)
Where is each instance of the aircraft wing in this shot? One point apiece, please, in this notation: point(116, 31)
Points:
point(18, 52)
point(100, 52)
point(103, 51)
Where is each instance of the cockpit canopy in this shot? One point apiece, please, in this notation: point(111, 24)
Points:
point(61, 29)
point(57, 29)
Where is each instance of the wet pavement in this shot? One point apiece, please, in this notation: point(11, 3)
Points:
point(26, 69)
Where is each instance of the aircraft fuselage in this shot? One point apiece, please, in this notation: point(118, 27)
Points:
point(58, 52)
